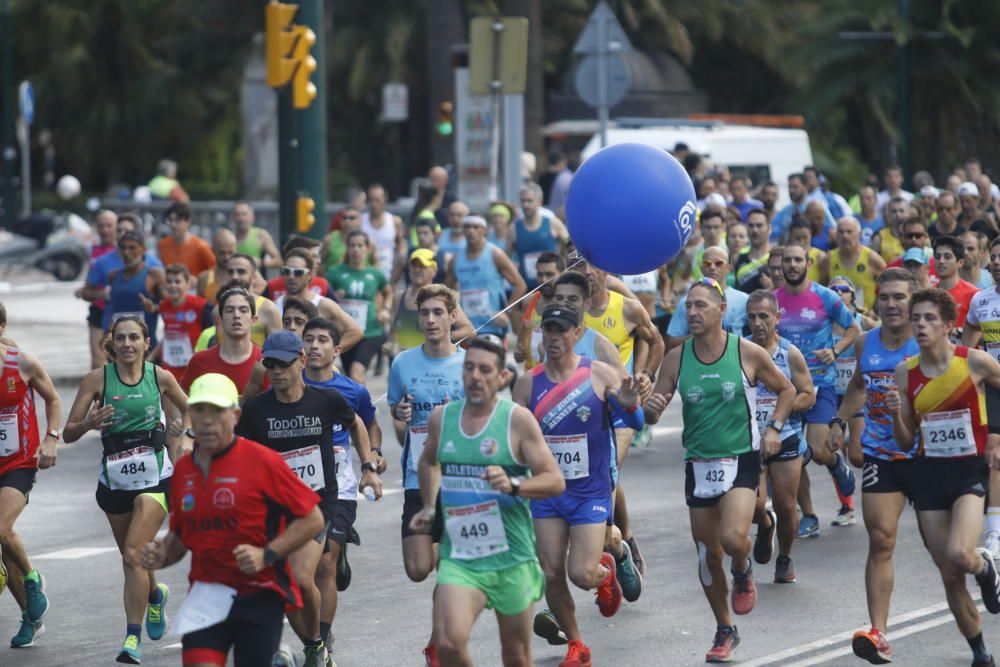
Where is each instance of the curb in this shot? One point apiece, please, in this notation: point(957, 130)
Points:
point(55, 286)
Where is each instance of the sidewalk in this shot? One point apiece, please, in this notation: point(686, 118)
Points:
point(48, 321)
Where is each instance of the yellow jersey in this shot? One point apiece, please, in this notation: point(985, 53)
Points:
point(892, 246)
point(611, 324)
point(860, 274)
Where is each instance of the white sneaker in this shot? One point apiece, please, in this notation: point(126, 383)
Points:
point(992, 544)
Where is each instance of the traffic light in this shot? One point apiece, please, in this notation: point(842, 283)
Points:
point(304, 218)
point(278, 42)
point(303, 89)
point(445, 118)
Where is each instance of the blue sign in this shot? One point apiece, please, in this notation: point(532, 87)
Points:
point(26, 102)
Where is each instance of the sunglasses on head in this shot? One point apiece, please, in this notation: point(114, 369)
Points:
point(271, 364)
point(711, 282)
point(294, 271)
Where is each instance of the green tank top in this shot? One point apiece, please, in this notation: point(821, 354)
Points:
point(125, 464)
point(251, 244)
point(407, 326)
point(336, 250)
point(484, 530)
point(137, 407)
point(718, 404)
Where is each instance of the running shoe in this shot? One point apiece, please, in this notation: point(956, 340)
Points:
point(156, 614)
point(992, 545)
point(763, 545)
point(744, 594)
point(808, 526)
point(784, 572)
point(843, 476)
point(628, 575)
point(343, 570)
point(578, 655)
point(131, 653)
point(643, 437)
point(547, 628)
point(724, 645)
point(989, 582)
point(845, 517)
point(29, 632)
point(284, 657)
point(872, 646)
point(609, 593)
point(637, 558)
point(37, 601)
point(431, 656)
point(316, 656)
point(985, 663)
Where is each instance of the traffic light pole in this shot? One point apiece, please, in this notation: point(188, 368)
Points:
point(288, 163)
point(311, 123)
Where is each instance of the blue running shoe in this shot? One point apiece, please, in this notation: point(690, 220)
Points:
point(628, 575)
point(843, 476)
point(808, 526)
point(156, 614)
point(37, 602)
point(131, 653)
point(29, 632)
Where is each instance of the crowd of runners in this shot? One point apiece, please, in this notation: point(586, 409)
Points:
point(520, 375)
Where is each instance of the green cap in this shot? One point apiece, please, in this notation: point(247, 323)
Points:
point(216, 389)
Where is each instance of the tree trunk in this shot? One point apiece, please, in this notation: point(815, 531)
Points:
point(534, 98)
point(445, 24)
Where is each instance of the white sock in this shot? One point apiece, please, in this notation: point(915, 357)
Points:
point(993, 519)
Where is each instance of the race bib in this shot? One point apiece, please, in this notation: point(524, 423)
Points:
point(765, 410)
point(948, 434)
point(357, 309)
point(10, 434)
point(531, 265)
point(476, 531)
point(571, 453)
point(994, 350)
point(713, 477)
point(845, 372)
point(476, 302)
point(341, 466)
point(537, 352)
point(177, 351)
point(307, 464)
point(418, 435)
point(133, 469)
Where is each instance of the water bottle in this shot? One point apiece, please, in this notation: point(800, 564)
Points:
point(369, 494)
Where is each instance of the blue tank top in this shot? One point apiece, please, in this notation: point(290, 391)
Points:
point(878, 366)
point(125, 300)
point(529, 245)
point(767, 400)
point(481, 287)
point(587, 345)
point(575, 423)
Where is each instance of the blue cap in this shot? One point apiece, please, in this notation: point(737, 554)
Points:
point(283, 346)
point(915, 255)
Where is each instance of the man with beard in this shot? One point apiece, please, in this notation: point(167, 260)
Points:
point(529, 338)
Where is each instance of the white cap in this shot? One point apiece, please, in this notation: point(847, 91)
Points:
point(968, 189)
point(474, 220)
point(715, 199)
point(928, 191)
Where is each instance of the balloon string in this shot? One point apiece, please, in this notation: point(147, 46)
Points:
point(498, 314)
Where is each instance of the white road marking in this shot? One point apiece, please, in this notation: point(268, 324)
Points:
point(659, 431)
point(75, 552)
point(894, 622)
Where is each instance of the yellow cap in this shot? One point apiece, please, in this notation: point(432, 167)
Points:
point(424, 256)
point(215, 389)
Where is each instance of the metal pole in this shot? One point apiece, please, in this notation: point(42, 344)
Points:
point(602, 79)
point(24, 132)
point(7, 152)
point(496, 87)
point(311, 122)
point(288, 163)
point(903, 103)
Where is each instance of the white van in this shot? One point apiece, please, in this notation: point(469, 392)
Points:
point(762, 153)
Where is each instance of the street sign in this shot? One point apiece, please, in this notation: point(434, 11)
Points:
point(498, 52)
point(395, 102)
point(614, 39)
point(26, 101)
point(619, 80)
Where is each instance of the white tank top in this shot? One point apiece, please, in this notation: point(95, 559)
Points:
point(313, 297)
point(384, 238)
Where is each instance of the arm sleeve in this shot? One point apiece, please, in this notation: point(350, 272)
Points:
point(634, 420)
point(678, 323)
point(285, 488)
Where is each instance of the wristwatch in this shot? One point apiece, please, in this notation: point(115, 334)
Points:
point(270, 557)
point(839, 422)
point(515, 486)
point(188, 433)
point(53, 433)
point(369, 466)
point(776, 424)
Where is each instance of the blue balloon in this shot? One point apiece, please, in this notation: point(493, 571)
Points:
point(630, 208)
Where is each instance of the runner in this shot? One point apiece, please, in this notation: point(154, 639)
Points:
point(808, 313)
point(253, 240)
point(723, 448)
point(572, 398)
point(948, 255)
point(334, 247)
point(210, 280)
point(420, 379)
point(854, 261)
point(887, 471)
point(714, 265)
point(299, 422)
point(533, 233)
point(365, 293)
point(386, 233)
point(406, 332)
point(785, 467)
point(181, 246)
point(940, 392)
point(488, 545)
point(231, 481)
point(236, 354)
point(22, 454)
point(105, 222)
point(135, 284)
point(297, 314)
point(452, 239)
point(751, 266)
point(322, 345)
point(123, 401)
point(529, 338)
point(276, 287)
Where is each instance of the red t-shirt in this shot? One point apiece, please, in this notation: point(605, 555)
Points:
point(18, 422)
point(181, 327)
point(276, 287)
point(962, 293)
point(246, 498)
point(210, 361)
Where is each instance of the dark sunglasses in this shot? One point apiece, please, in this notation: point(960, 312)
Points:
point(841, 289)
point(271, 364)
point(295, 271)
point(916, 235)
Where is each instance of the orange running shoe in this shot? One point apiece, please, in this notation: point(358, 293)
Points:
point(431, 656)
point(872, 646)
point(578, 655)
point(724, 645)
point(744, 594)
point(609, 593)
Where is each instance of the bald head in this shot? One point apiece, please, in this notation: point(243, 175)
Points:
point(815, 213)
point(715, 264)
point(438, 177)
point(223, 246)
point(848, 232)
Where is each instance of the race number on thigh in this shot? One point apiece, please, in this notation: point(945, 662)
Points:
point(133, 469)
point(307, 464)
point(476, 531)
point(713, 477)
point(571, 453)
point(10, 434)
point(948, 434)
